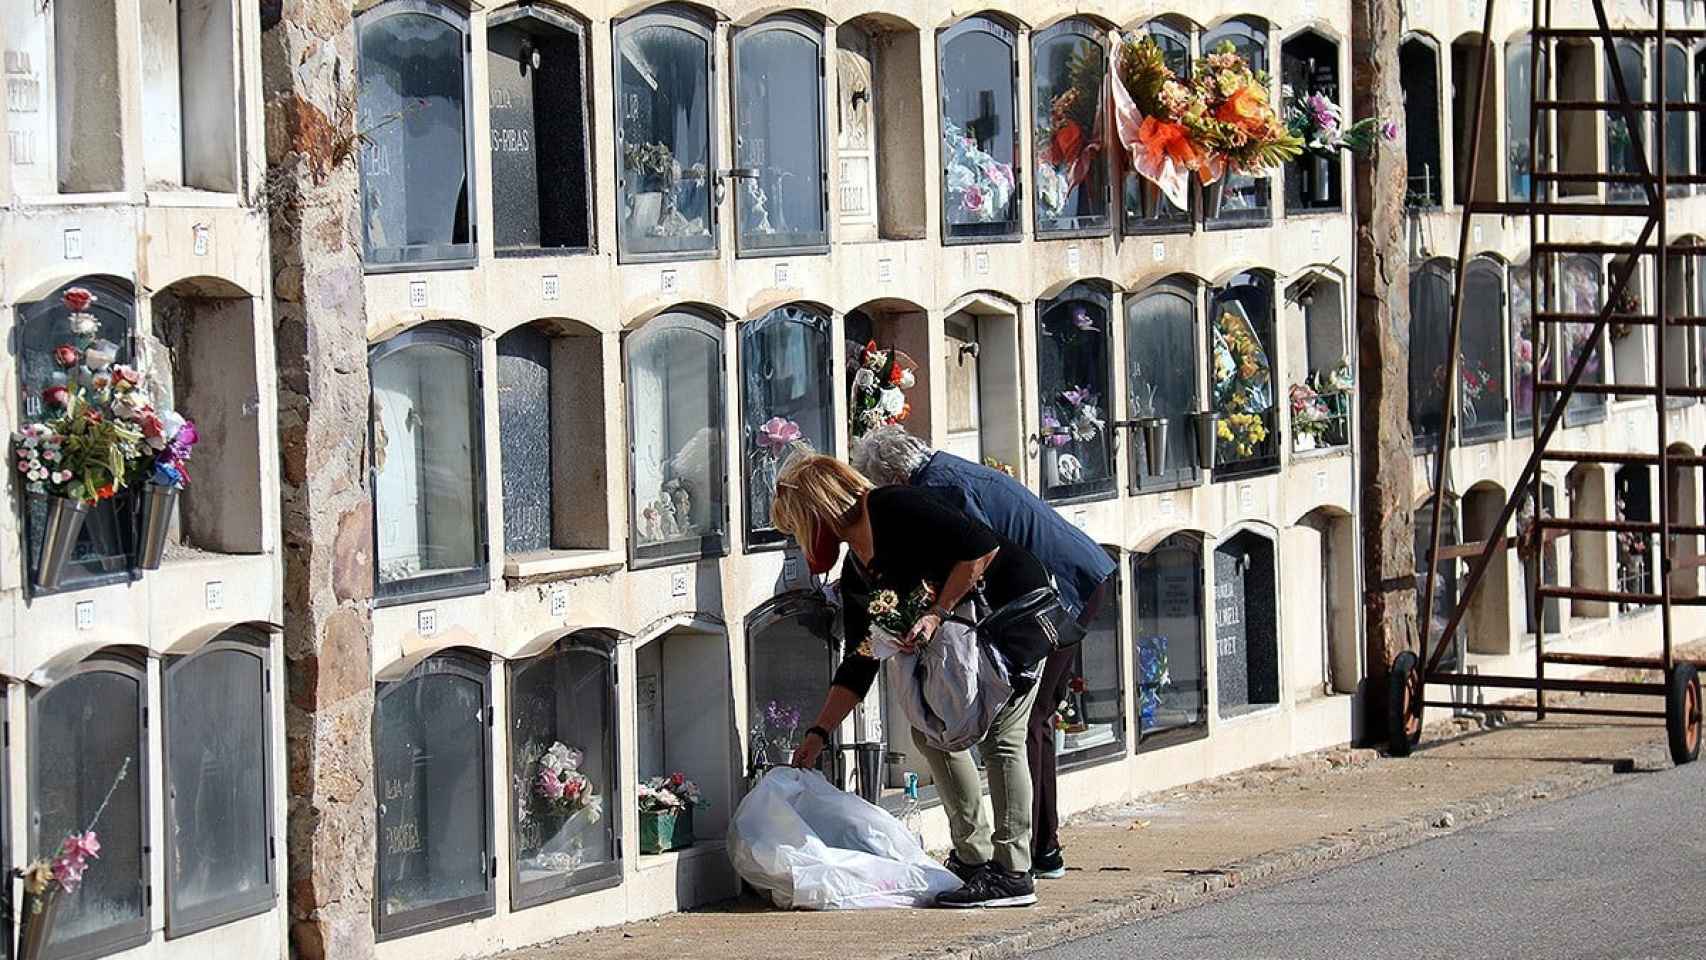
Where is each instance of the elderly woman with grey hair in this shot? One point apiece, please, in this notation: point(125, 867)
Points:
point(1081, 570)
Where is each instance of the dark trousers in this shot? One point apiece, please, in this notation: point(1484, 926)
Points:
point(1039, 736)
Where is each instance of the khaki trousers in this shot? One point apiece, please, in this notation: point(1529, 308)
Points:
point(1003, 752)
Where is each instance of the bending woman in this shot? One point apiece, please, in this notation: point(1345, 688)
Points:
point(901, 537)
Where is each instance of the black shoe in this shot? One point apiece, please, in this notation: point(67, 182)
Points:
point(965, 871)
point(992, 887)
point(1048, 866)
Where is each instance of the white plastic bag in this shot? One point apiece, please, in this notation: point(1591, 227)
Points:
point(951, 689)
point(813, 847)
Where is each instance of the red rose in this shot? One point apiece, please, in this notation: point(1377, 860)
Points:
point(151, 425)
point(676, 779)
point(896, 374)
point(66, 355)
point(1077, 685)
point(56, 396)
point(78, 299)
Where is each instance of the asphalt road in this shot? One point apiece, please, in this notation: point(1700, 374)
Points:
point(1618, 873)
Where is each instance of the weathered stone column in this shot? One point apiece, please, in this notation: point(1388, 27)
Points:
point(1383, 340)
point(308, 65)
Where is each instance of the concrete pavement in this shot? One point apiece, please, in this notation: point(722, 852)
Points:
point(1614, 873)
point(1183, 847)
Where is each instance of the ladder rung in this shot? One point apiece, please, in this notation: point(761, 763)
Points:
point(1560, 711)
point(1618, 105)
point(1626, 33)
point(1617, 596)
point(1677, 179)
point(1618, 526)
point(1612, 249)
point(1517, 208)
point(1635, 459)
point(1633, 319)
point(1620, 389)
point(1561, 685)
point(1608, 660)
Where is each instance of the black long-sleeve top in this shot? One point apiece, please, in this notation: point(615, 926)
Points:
point(916, 537)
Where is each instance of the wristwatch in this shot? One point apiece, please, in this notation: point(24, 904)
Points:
point(942, 613)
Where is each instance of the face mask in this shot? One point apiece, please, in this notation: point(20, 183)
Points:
point(823, 551)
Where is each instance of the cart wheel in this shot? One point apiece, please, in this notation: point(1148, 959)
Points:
point(1404, 705)
point(1682, 713)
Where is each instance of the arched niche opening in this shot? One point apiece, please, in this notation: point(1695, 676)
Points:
point(1418, 71)
point(1681, 362)
point(432, 752)
point(1321, 574)
point(1447, 572)
point(1627, 149)
point(1682, 490)
point(1481, 383)
point(978, 77)
point(1636, 556)
point(981, 359)
point(1631, 351)
point(209, 331)
point(787, 398)
point(1465, 94)
point(1173, 37)
point(677, 469)
point(779, 135)
point(1581, 287)
point(1246, 623)
point(1530, 354)
point(1542, 558)
point(1170, 641)
point(683, 721)
point(879, 130)
point(1430, 335)
point(1490, 611)
point(552, 440)
point(1068, 76)
point(890, 325)
point(1093, 712)
point(1320, 375)
point(666, 121)
point(1243, 386)
point(1248, 200)
point(1590, 553)
point(1163, 371)
point(791, 656)
point(1578, 130)
point(1309, 67)
point(565, 837)
point(1074, 377)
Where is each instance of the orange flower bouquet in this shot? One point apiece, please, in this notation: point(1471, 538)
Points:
point(1238, 126)
point(1156, 114)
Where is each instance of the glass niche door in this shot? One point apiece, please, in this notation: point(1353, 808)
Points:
point(664, 152)
point(677, 468)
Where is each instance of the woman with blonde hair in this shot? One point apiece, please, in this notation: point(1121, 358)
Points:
point(899, 537)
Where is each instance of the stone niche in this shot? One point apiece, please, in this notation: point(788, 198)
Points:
point(190, 87)
point(879, 130)
point(1246, 623)
point(683, 719)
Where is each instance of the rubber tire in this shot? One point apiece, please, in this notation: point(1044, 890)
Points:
point(1403, 705)
point(1683, 713)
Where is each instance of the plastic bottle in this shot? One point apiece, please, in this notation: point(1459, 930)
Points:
point(909, 813)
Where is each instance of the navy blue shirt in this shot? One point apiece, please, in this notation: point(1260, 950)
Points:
point(1079, 564)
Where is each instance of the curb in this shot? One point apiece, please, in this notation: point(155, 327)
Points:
point(1337, 849)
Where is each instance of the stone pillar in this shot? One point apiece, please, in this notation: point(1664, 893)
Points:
point(1383, 341)
point(308, 64)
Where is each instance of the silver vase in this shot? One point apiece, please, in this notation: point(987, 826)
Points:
point(35, 922)
point(1322, 181)
point(1213, 194)
point(1148, 198)
point(157, 505)
point(1154, 443)
point(1208, 437)
point(59, 535)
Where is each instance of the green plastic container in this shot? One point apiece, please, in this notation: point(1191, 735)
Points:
point(663, 831)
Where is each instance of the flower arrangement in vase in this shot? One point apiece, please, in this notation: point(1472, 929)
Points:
point(878, 380)
point(1319, 124)
point(980, 188)
point(46, 878)
point(1310, 418)
point(1218, 123)
point(892, 616)
point(1153, 677)
point(560, 802)
point(666, 813)
point(771, 442)
point(1242, 389)
point(1071, 134)
point(774, 731)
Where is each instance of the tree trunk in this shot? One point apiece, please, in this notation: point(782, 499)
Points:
point(1383, 339)
point(307, 49)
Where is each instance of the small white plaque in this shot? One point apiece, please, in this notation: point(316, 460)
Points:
point(1072, 260)
point(1316, 238)
point(667, 281)
point(1165, 505)
point(417, 295)
point(678, 583)
point(85, 611)
point(1081, 519)
point(1246, 497)
point(73, 243)
point(202, 239)
point(980, 263)
point(1238, 242)
point(1158, 250)
point(215, 594)
point(784, 275)
point(885, 270)
point(426, 622)
point(1486, 458)
point(559, 603)
point(1476, 232)
point(550, 287)
point(1321, 482)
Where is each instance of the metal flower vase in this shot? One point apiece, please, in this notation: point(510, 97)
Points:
point(1208, 436)
point(1154, 433)
point(664, 830)
point(157, 505)
point(35, 922)
point(1213, 195)
point(1321, 179)
point(65, 518)
point(1148, 198)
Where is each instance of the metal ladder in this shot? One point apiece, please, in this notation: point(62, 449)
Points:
point(1680, 688)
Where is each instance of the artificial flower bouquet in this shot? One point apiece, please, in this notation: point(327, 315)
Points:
point(1320, 125)
point(562, 788)
point(1242, 388)
point(1070, 139)
point(666, 813)
point(1311, 420)
point(1074, 417)
point(1218, 123)
point(46, 878)
point(878, 380)
point(980, 188)
point(1154, 677)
